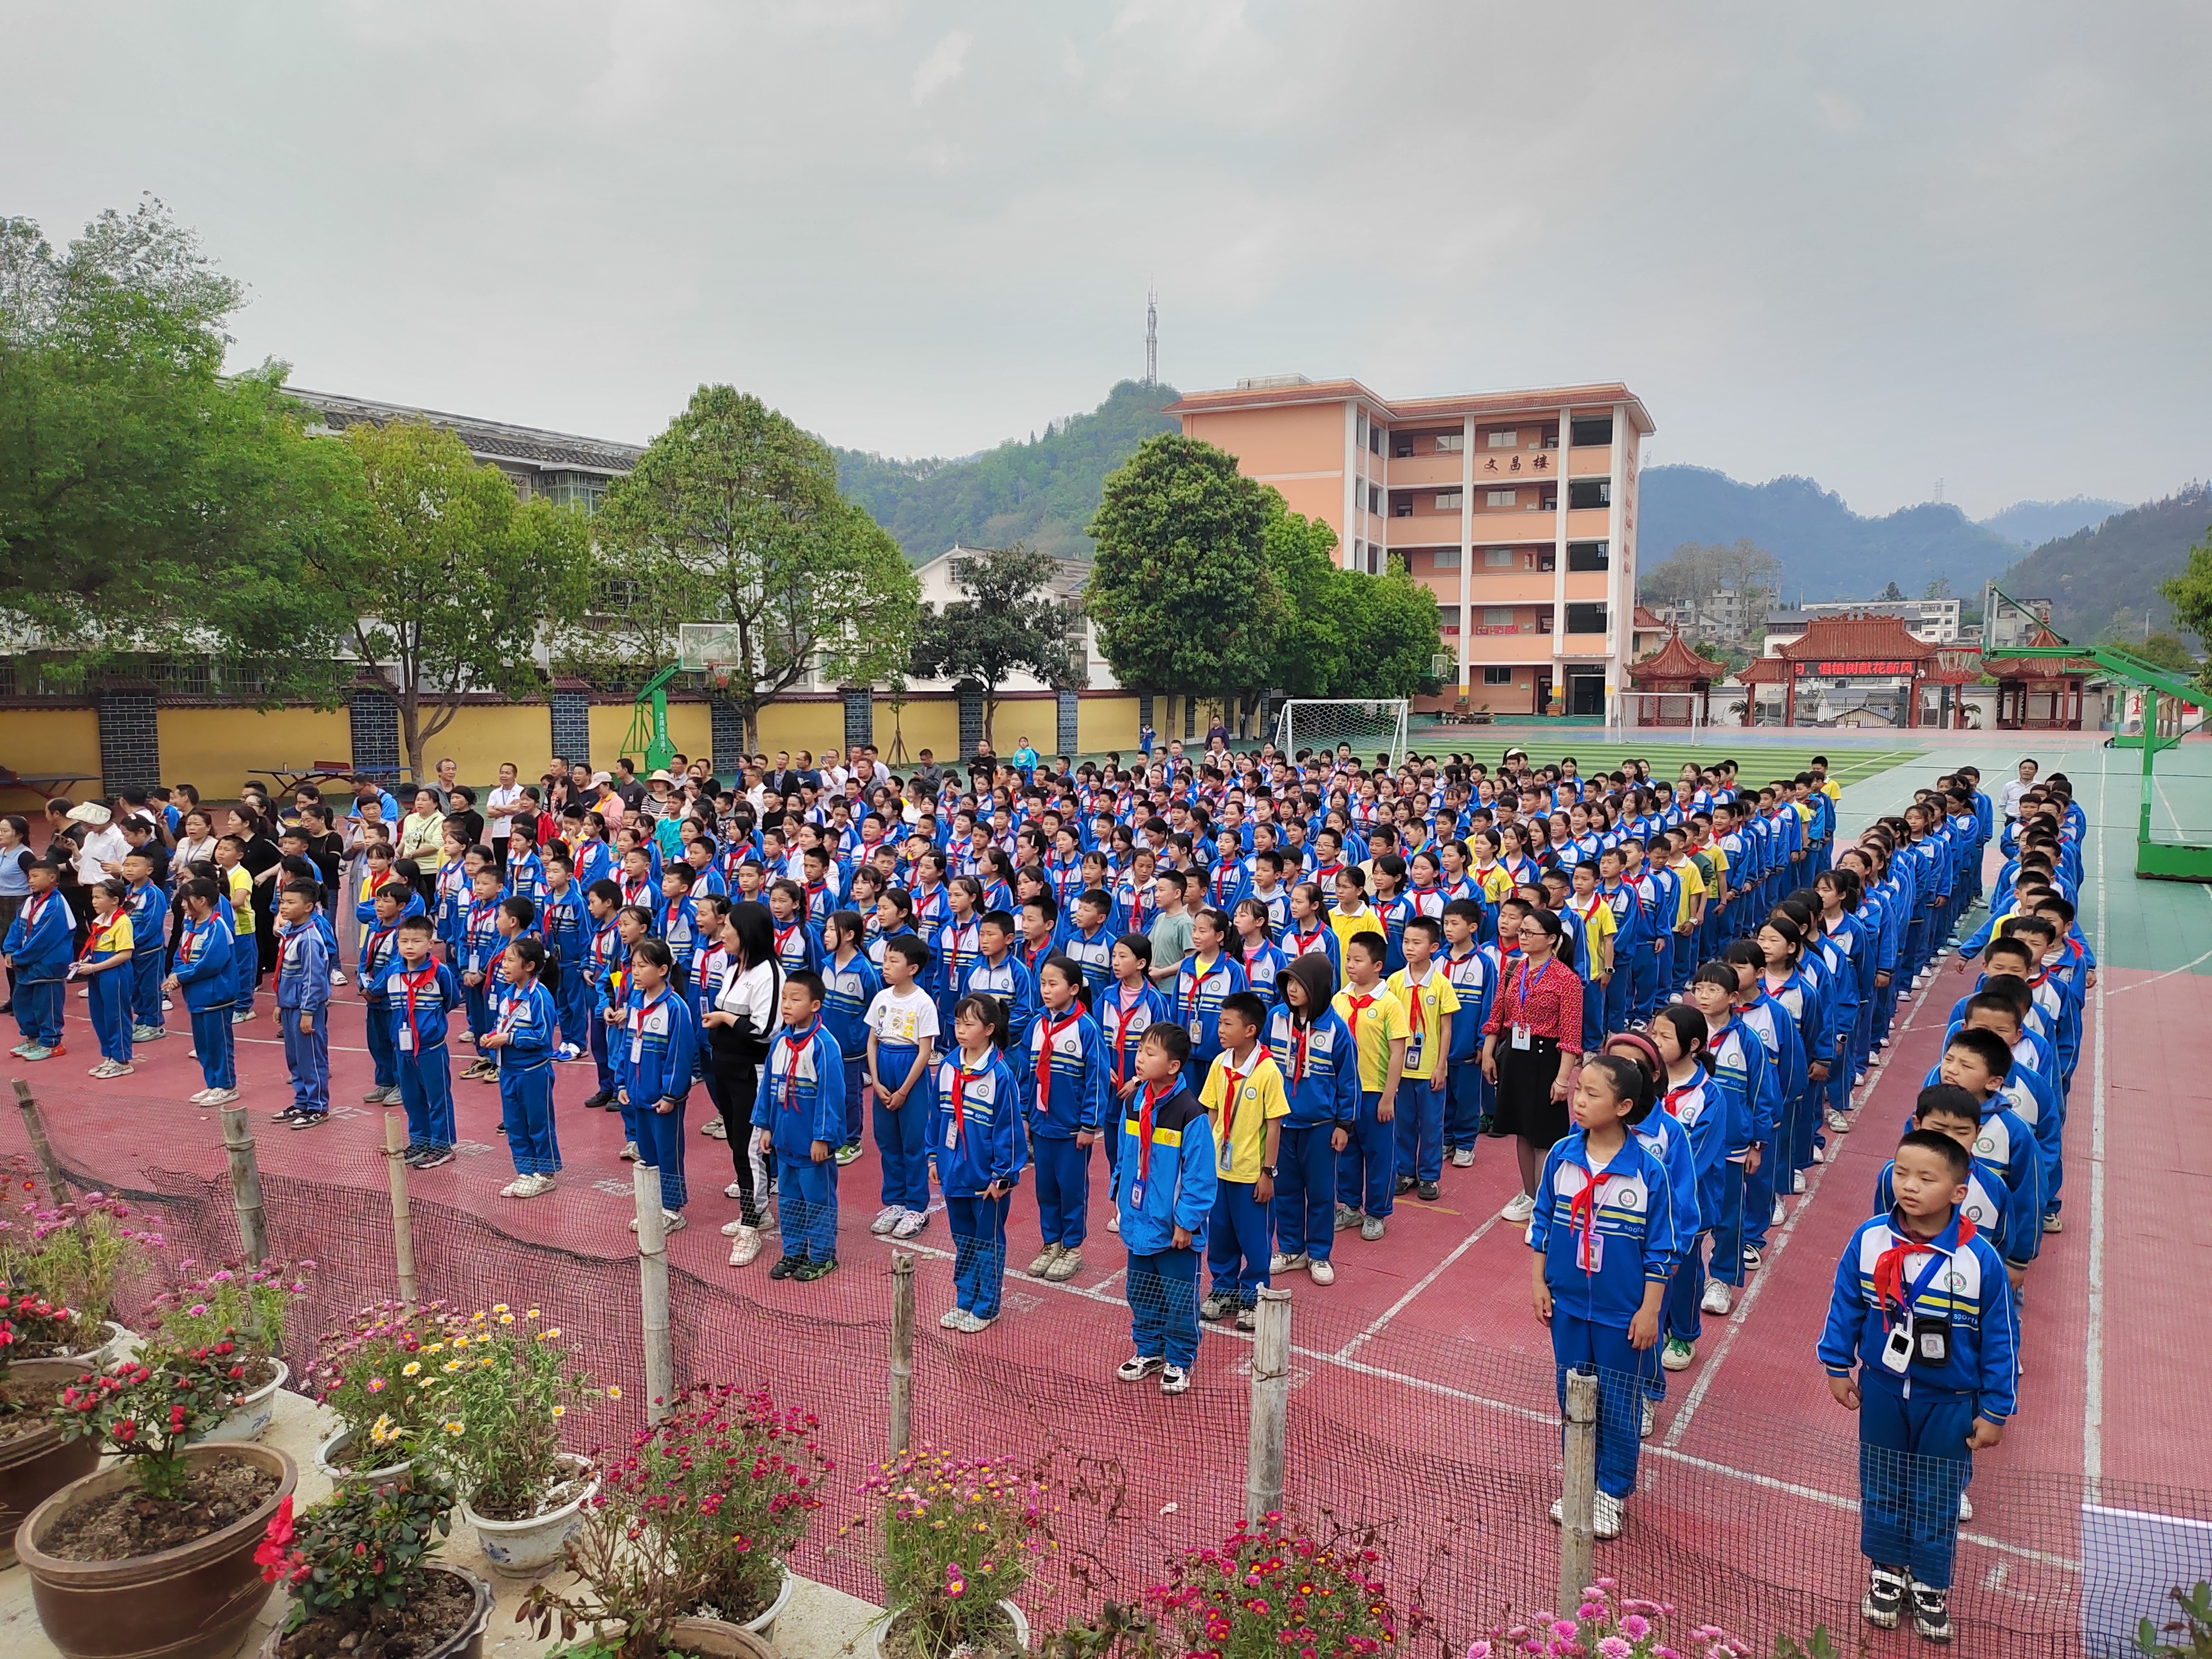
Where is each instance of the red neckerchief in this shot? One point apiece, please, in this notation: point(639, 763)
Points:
point(1050, 1028)
point(1151, 1096)
point(782, 935)
point(1889, 1267)
point(1306, 942)
point(637, 1014)
point(638, 894)
point(1582, 1208)
point(1231, 1081)
point(1413, 1000)
point(414, 982)
point(1125, 1010)
point(1359, 1004)
point(1198, 977)
point(795, 1044)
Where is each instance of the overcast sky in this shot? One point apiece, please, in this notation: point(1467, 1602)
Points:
point(1878, 244)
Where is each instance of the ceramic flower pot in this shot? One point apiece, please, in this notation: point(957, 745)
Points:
point(523, 1549)
point(467, 1643)
point(711, 1638)
point(195, 1602)
point(249, 1420)
point(765, 1624)
point(36, 1465)
point(877, 1632)
point(99, 1359)
point(343, 1475)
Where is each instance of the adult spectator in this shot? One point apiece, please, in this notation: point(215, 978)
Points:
point(1531, 1048)
point(448, 775)
point(264, 862)
point(606, 801)
point(365, 787)
point(15, 885)
point(500, 809)
point(462, 816)
point(423, 831)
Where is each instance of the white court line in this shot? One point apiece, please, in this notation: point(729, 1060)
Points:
point(2122, 990)
point(1421, 1284)
point(2093, 1337)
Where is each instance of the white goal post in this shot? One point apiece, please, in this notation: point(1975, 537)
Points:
point(1372, 725)
point(1682, 711)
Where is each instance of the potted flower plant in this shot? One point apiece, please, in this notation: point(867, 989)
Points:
point(78, 1256)
point(250, 1303)
point(35, 1459)
point(692, 1527)
point(154, 1553)
point(363, 1375)
point(363, 1582)
point(957, 1538)
point(497, 1387)
point(1273, 1588)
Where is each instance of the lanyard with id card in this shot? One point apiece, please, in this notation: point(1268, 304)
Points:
point(1925, 1338)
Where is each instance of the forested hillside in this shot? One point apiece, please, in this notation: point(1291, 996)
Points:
point(2114, 569)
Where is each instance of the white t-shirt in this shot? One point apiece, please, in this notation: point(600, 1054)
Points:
point(907, 1018)
point(498, 827)
point(755, 992)
point(102, 847)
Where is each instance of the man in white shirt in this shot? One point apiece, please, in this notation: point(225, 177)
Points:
point(2019, 787)
point(499, 808)
point(101, 853)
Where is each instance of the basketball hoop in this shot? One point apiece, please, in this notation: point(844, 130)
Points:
point(719, 675)
point(1958, 665)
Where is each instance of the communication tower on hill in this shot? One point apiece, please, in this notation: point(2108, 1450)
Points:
point(1151, 336)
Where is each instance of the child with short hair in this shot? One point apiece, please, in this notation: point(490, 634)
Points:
point(659, 1057)
point(1468, 1100)
point(998, 972)
point(1366, 1169)
point(902, 1046)
point(1208, 974)
point(246, 960)
point(477, 957)
point(1244, 1094)
point(105, 966)
point(799, 1114)
point(975, 1135)
point(1431, 1006)
point(850, 983)
point(1920, 1298)
point(380, 957)
point(150, 915)
point(1066, 1087)
point(560, 924)
point(2007, 1217)
point(418, 993)
point(521, 1041)
point(1168, 1181)
point(203, 976)
point(303, 995)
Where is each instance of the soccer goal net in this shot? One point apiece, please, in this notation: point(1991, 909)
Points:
point(1371, 726)
point(1687, 711)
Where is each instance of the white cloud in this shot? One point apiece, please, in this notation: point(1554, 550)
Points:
point(945, 61)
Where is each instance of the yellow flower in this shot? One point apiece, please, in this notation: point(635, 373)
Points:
point(614, 1393)
point(477, 1317)
point(451, 1366)
point(486, 1360)
point(547, 1336)
point(462, 1341)
point(496, 1307)
point(506, 1319)
point(452, 1425)
point(435, 1347)
point(411, 1368)
point(381, 1430)
point(560, 1411)
point(533, 1313)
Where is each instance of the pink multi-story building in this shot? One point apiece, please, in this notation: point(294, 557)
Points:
point(1517, 509)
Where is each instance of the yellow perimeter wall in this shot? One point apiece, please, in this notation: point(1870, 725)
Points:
point(217, 749)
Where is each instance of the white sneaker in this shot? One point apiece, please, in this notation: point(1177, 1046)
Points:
point(746, 1246)
point(909, 1223)
point(1753, 1258)
point(1605, 1516)
point(1324, 1272)
point(1797, 1182)
point(1776, 1215)
point(732, 1228)
point(971, 1323)
point(1819, 1156)
point(952, 1319)
point(1279, 1263)
point(1650, 1420)
point(337, 976)
point(513, 1189)
point(533, 1186)
point(886, 1219)
point(714, 1129)
point(1114, 1222)
point(1839, 1124)
point(220, 1098)
point(1463, 1158)
point(1716, 1298)
point(1521, 1207)
point(198, 1097)
point(1966, 1507)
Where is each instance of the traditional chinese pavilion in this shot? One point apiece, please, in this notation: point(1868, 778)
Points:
point(2041, 694)
point(1842, 663)
point(1682, 679)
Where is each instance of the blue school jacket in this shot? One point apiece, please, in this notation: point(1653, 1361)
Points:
point(2012, 1220)
point(656, 1051)
point(1198, 997)
point(1745, 1082)
point(1122, 1022)
point(1629, 1219)
point(1009, 981)
point(1700, 1108)
point(802, 1091)
point(380, 956)
point(526, 878)
point(417, 1003)
point(1669, 1140)
point(847, 991)
point(204, 964)
point(562, 921)
point(676, 921)
point(797, 948)
point(1474, 982)
point(524, 1013)
point(303, 969)
point(1958, 1276)
point(1166, 1173)
point(1320, 1067)
point(480, 943)
point(1077, 1088)
point(1294, 945)
point(976, 1131)
point(1262, 969)
point(149, 918)
point(1093, 953)
point(40, 939)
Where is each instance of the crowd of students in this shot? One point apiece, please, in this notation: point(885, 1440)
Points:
point(1286, 993)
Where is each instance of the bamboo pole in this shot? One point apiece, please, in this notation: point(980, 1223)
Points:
point(246, 1184)
point(403, 1219)
point(901, 1400)
point(652, 1291)
point(1578, 1489)
point(1264, 1451)
point(35, 1126)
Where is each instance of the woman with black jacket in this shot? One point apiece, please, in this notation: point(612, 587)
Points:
point(740, 1013)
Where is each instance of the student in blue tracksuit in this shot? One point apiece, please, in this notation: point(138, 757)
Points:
point(104, 969)
point(201, 976)
point(1743, 1083)
point(40, 945)
point(799, 1114)
point(419, 992)
point(1605, 1237)
point(1474, 977)
point(607, 953)
point(975, 1135)
point(1207, 975)
point(1089, 940)
point(849, 982)
point(1313, 1050)
point(476, 962)
point(1689, 1094)
point(303, 995)
point(1066, 1094)
point(1979, 1063)
point(380, 956)
point(1667, 1139)
point(149, 933)
point(564, 923)
point(1169, 1179)
point(1921, 1308)
point(1775, 1024)
point(1244, 1095)
point(902, 1049)
point(997, 971)
point(660, 1058)
point(2007, 1217)
point(524, 1031)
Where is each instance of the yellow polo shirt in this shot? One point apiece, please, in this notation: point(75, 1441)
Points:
point(1379, 1023)
point(1426, 1004)
point(1240, 1136)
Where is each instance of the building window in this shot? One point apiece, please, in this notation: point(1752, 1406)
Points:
point(1375, 437)
point(1448, 500)
point(1544, 620)
point(1358, 554)
point(1448, 618)
point(1401, 448)
point(1592, 429)
point(1587, 556)
point(1497, 558)
point(1402, 505)
point(1446, 558)
point(1586, 619)
point(1494, 675)
point(1451, 443)
point(1504, 439)
point(1498, 615)
point(1502, 497)
point(1375, 500)
point(1590, 492)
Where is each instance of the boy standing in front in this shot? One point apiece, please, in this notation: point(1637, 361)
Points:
point(1245, 1092)
point(1166, 1187)
point(799, 1117)
point(303, 995)
point(1922, 1309)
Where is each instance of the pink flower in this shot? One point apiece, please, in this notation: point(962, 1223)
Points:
point(1613, 1647)
point(1636, 1627)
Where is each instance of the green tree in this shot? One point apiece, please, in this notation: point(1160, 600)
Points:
point(452, 584)
point(1181, 590)
point(146, 503)
point(733, 515)
point(1009, 623)
point(1345, 635)
point(2189, 593)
